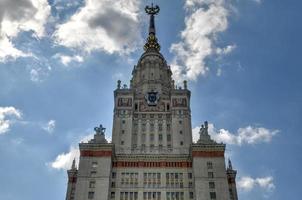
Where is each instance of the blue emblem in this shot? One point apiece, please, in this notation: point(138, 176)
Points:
point(152, 98)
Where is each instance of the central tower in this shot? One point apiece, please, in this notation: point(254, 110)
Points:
point(151, 115)
point(151, 156)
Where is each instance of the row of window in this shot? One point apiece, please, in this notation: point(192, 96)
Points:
point(152, 195)
point(129, 178)
point(177, 195)
point(128, 196)
point(151, 177)
point(151, 116)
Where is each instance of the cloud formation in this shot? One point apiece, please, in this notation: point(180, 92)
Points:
point(50, 126)
point(7, 114)
point(66, 59)
point(248, 183)
point(17, 16)
point(109, 26)
point(64, 160)
point(204, 20)
point(246, 135)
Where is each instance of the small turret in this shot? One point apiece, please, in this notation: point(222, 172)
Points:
point(73, 164)
point(231, 176)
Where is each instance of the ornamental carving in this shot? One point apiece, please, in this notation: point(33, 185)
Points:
point(144, 107)
point(179, 102)
point(124, 102)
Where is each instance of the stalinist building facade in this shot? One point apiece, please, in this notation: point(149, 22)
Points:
point(152, 156)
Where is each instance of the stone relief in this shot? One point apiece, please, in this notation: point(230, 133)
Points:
point(179, 102)
point(124, 102)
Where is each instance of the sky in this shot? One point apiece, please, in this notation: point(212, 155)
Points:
point(60, 61)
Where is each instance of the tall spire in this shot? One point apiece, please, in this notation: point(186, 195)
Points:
point(152, 43)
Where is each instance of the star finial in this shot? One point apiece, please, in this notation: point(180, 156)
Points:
point(152, 40)
point(100, 130)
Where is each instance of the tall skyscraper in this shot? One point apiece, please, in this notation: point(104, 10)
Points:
point(152, 156)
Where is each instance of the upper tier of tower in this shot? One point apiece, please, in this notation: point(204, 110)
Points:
point(152, 71)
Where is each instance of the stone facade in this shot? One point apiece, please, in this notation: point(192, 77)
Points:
point(152, 156)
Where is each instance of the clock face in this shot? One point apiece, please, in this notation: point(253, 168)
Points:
point(152, 98)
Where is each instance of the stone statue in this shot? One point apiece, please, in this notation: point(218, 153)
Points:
point(185, 85)
point(100, 130)
point(204, 129)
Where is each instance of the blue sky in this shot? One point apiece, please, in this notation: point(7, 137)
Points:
point(60, 60)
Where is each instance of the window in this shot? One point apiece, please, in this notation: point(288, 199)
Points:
point(212, 195)
point(152, 137)
point(180, 132)
point(113, 174)
point(160, 137)
point(211, 185)
point(190, 176)
point(168, 107)
point(168, 127)
point(90, 195)
point(92, 184)
point(152, 127)
point(112, 196)
point(210, 165)
point(136, 107)
point(169, 138)
point(113, 184)
point(181, 143)
point(191, 195)
point(143, 127)
point(123, 131)
point(122, 142)
point(123, 121)
point(210, 174)
point(190, 184)
point(92, 173)
point(180, 122)
point(160, 127)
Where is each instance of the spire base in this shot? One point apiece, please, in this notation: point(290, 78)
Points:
point(152, 43)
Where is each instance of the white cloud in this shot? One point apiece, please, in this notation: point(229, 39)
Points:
point(50, 126)
point(195, 133)
point(110, 26)
point(248, 183)
point(7, 114)
point(34, 75)
point(64, 160)
point(204, 20)
point(8, 51)
point(65, 59)
point(17, 16)
point(258, 1)
point(226, 50)
point(247, 135)
point(219, 72)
